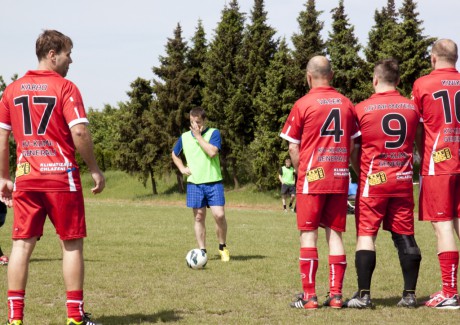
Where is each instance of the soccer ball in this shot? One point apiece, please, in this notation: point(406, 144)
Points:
point(196, 259)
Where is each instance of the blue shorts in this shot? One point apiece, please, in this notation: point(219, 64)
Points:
point(208, 194)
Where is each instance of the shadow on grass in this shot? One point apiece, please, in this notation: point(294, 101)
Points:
point(240, 257)
point(164, 316)
point(392, 301)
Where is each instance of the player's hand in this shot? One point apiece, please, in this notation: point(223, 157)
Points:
point(99, 182)
point(6, 192)
point(196, 130)
point(186, 171)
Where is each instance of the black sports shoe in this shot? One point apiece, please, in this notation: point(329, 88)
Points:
point(408, 301)
point(359, 302)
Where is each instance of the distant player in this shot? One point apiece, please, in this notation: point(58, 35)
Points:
point(286, 176)
point(45, 112)
point(201, 147)
point(319, 130)
point(388, 124)
point(438, 97)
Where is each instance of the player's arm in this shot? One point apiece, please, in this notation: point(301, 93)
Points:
point(208, 148)
point(6, 185)
point(84, 144)
point(419, 138)
point(354, 156)
point(180, 165)
point(294, 153)
point(279, 175)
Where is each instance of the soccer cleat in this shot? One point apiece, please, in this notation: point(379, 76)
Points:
point(85, 321)
point(4, 260)
point(440, 301)
point(15, 322)
point(224, 255)
point(311, 303)
point(333, 301)
point(408, 301)
point(359, 302)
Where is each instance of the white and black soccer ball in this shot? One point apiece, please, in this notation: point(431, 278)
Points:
point(196, 259)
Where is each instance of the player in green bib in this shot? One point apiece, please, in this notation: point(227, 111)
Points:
point(201, 147)
point(286, 176)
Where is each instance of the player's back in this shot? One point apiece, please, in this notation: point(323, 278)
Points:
point(322, 123)
point(388, 124)
point(438, 98)
point(40, 109)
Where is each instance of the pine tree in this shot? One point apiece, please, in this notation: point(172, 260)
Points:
point(274, 102)
point(414, 55)
point(225, 98)
point(136, 151)
point(307, 43)
point(350, 76)
point(174, 94)
point(382, 42)
point(195, 59)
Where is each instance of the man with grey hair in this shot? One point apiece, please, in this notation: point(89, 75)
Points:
point(438, 97)
point(319, 130)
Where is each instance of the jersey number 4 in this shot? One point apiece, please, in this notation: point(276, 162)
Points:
point(332, 126)
point(23, 101)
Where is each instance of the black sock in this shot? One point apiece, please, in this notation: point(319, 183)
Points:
point(290, 205)
point(1, 252)
point(204, 250)
point(284, 206)
point(365, 264)
point(222, 246)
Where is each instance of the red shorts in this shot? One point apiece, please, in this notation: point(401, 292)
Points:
point(65, 210)
point(439, 198)
point(397, 214)
point(321, 210)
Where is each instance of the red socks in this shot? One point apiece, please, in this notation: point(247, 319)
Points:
point(16, 304)
point(449, 266)
point(75, 305)
point(337, 267)
point(308, 263)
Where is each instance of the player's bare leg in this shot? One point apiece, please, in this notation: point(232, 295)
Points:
point(283, 198)
point(73, 264)
point(444, 231)
point(200, 226)
point(337, 267)
point(221, 231)
point(457, 226)
point(18, 271)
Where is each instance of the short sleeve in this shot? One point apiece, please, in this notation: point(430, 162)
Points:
point(293, 127)
point(216, 139)
point(5, 119)
point(72, 105)
point(178, 147)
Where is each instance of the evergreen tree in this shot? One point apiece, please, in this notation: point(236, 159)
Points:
point(273, 103)
point(174, 94)
point(104, 127)
point(307, 43)
point(195, 60)
point(414, 56)
point(382, 42)
point(225, 98)
point(135, 146)
point(350, 76)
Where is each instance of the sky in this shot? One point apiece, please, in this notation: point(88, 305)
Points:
point(117, 41)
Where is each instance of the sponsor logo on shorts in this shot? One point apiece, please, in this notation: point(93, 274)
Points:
point(315, 174)
point(442, 155)
point(377, 179)
point(22, 169)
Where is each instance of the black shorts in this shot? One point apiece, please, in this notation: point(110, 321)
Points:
point(287, 189)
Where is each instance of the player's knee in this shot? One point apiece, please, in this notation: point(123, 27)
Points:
point(407, 246)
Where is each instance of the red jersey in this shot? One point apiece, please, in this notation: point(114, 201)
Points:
point(40, 108)
point(322, 123)
point(438, 97)
point(388, 124)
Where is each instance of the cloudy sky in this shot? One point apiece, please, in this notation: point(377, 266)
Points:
point(117, 41)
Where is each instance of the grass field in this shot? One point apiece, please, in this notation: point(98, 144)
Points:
point(136, 271)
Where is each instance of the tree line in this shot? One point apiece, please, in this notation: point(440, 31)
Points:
point(247, 80)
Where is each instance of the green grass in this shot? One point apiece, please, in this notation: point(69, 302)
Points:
point(136, 271)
